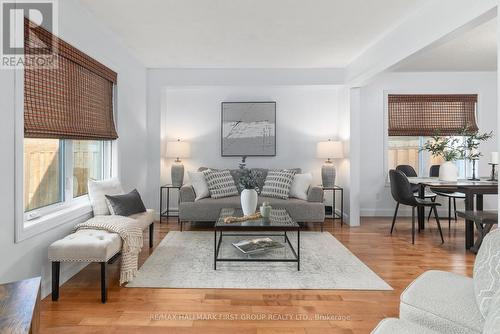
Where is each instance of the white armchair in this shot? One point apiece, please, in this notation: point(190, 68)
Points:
point(442, 302)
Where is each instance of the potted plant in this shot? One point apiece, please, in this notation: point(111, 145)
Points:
point(471, 146)
point(249, 194)
point(449, 149)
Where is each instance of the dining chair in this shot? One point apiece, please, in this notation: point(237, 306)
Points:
point(451, 195)
point(402, 193)
point(409, 171)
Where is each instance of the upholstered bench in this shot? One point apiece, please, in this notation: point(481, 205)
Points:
point(84, 246)
point(93, 246)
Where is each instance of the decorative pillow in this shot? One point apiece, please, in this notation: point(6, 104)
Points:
point(199, 184)
point(220, 183)
point(278, 183)
point(300, 185)
point(487, 271)
point(98, 191)
point(492, 324)
point(127, 204)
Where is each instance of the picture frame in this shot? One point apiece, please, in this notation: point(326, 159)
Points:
point(248, 129)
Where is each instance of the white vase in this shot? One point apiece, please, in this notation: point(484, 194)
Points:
point(249, 201)
point(448, 171)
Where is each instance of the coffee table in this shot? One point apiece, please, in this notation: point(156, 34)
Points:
point(277, 225)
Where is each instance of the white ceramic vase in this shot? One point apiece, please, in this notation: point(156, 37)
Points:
point(448, 171)
point(249, 201)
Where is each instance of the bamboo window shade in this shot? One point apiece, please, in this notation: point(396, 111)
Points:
point(73, 100)
point(428, 115)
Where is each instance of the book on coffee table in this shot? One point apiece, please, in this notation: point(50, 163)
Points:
point(257, 245)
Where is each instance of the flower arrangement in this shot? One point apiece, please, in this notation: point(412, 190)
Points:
point(446, 147)
point(247, 180)
point(451, 148)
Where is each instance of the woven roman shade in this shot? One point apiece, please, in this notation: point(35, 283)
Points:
point(74, 100)
point(428, 115)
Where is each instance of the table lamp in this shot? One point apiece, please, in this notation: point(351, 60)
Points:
point(329, 150)
point(178, 149)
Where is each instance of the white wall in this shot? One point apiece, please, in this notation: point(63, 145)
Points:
point(294, 90)
point(375, 195)
point(305, 115)
point(76, 26)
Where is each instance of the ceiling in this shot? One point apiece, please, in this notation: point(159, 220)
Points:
point(250, 33)
point(473, 50)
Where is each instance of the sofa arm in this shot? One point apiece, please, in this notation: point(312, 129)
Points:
point(315, 194)
point(187, 193)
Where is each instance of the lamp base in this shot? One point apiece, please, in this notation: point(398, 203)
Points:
point(328, 174)
point(177, 174)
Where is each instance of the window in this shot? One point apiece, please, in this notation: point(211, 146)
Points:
point(68, 119)
point(43, 175)
point(87, 164)
point(412, 119)
point(47, 162)
point(403, 150)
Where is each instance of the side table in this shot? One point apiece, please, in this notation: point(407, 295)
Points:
point(167, 212)
point(334, 214)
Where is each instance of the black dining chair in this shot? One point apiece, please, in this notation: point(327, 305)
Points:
point(451, 195)
point(402, 193)
point(409, 171)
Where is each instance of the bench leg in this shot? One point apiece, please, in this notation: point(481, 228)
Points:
point(151, 230)
point(55, 280)
point(104, 287)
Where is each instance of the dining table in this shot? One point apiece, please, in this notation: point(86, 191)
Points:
point(473, 190)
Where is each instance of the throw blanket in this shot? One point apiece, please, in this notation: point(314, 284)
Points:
point(129, 231)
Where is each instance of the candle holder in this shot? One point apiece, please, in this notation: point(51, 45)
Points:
point(492, 178)
point(474, 178)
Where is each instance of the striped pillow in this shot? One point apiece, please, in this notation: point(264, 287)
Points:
point(220, 183)
point(278, 183)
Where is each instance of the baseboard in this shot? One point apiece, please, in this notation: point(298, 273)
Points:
point(402, 212)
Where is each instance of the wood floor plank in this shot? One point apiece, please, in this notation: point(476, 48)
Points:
point(186, 311)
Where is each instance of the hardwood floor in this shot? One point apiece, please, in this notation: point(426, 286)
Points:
point(140, 310)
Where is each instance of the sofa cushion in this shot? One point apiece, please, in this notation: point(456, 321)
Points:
point(492, 325)
point(199, 184)
point(208, 209)
point(443, 302)
point(487, 271)
point(278, 183)
point(98, 191)
point(220, 183)
point(86, 246)
point(300, 186)
point(400, 326)
point(126, 204)
point(144, 218)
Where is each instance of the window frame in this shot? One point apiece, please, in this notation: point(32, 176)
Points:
point(385, 120)
point(70, 210)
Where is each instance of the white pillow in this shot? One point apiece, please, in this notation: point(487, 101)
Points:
point(97, 192)
point(300, 185)
point(199, 184)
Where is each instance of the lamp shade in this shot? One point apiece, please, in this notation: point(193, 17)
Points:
point(178, 149)
point(330, 150)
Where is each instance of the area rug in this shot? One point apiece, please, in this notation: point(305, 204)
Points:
point(185, 260)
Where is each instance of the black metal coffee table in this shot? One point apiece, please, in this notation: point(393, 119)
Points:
point(277, 225)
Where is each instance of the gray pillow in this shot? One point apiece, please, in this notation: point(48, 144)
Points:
point(220, 183)
point(278, 183)
point(127, 204)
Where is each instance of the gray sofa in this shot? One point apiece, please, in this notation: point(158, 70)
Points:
point(207, 209)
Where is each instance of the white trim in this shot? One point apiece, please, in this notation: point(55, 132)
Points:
point(18, 155)
point(79, 211)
